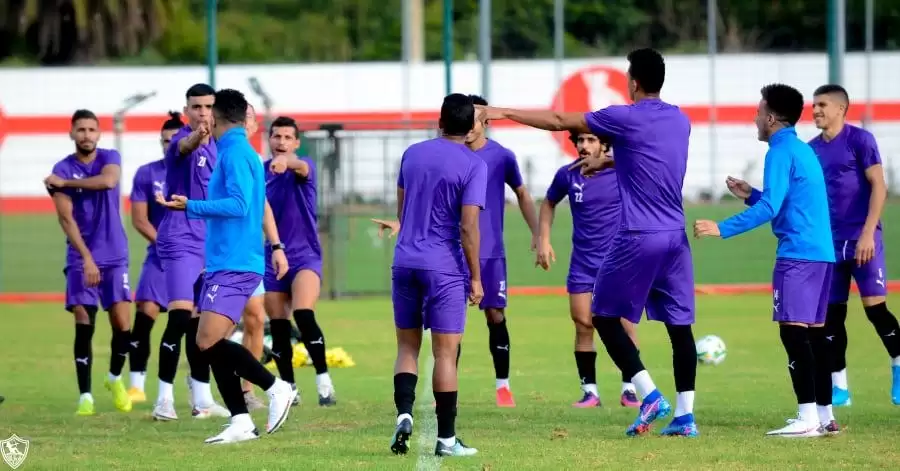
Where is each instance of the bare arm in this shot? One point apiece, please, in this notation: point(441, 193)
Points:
point(526, 206)
point(269, 226)
point(545, 119)
point(471, 239)
point(67, 222)
point(108, 179)
point(875, 176)
point(548, 211)
point(299, 167)
point(192, 141)
point(400, 194)
point(140, 220)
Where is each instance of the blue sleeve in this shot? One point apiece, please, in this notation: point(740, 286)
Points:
point(755, 195)
point(776, 178)
point(238, 177)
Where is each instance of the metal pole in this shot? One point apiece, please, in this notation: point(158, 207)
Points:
point(407, 55)
point(870, 47)
point(837, 21)
point(448, 46)
point(212, 43)
point(559, 32)
point(484, 46)
point(712, 49)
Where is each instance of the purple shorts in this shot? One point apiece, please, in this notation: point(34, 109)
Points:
point(182, 271)
point(429, 300)
point(227, 292)
point(581, 277)
point(152, 284)
point(114, 288)
point(651, 270)
point(284, 284)
point(493, 280)
point(800, 291)
point(871, 278)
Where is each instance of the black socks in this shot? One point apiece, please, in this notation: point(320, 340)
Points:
point(170, 344)
point(498, 339)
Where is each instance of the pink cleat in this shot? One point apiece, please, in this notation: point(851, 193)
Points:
point(589, 400)
point(629, 399)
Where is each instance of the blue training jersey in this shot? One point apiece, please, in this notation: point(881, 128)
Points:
point(234, 208)
point(793, 199)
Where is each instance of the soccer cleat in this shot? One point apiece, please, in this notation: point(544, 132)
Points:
point(457, 449)
point(895, 385)
point(831, 428)
point(120, 396)
point(629, 399)
point(505, 397)
point(234, 433)
point(589, 400)
point(296, 401)
point(840, 397)
point(326, 396)
point(281, 395)
point(654, 407)
point(253, 402)
point(797, 428)
point(683, 426)
point(137, 395)
point(164, 410)
point(400, 440)
point(212, 410)
point(85, 407)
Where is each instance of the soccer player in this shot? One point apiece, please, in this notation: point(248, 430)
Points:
point(234, 268)
point(189, 161)
point(85, 191)
point(648, 263)
point(595, 206)
point(794, 199)
point(503, 170)
point(151, 298)
point(854, 178)
point(440, 193)
point(291, 192)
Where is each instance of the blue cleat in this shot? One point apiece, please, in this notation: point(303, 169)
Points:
point(683, 426)
point(655, 406)
point(841, 397)
point(895, 385)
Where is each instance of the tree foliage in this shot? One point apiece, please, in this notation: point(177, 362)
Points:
point(274, 31)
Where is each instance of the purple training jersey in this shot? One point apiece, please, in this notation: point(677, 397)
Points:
point(149, 180)
point(502, 170)
point(845, 160)
point(438, 177)
point(596, 210)
point(293, 202)
point(96, 212)
point(186, 175)
point(650, 139)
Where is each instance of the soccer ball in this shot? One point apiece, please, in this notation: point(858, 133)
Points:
point(711, 350)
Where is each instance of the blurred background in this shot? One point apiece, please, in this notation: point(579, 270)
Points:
point(365, 79)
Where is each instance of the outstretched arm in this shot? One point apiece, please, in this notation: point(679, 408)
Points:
point(776, 176)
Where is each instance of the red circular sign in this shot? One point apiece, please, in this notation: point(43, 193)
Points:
point(589, 89)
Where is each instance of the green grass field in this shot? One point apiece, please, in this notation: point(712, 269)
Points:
point(737, 402)
point(32, 250)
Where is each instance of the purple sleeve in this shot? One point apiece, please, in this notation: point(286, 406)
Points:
point(512, 174)
point(112, 157)
point(61, 170)
point(606, 122)
point(866, 150)
point(312, 176)
point(172, 151)
point(139, 185)
point(476, 184)
point(559, 188)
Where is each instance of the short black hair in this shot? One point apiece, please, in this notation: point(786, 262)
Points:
point(200, 89)
point(83, 114)
point(284, 122)
point(833, 89)
point(230, 106)
point(174, 121)
point(478, 100)
point(457, 114)
point(648, 68)
point(573, 137)
point(783, 101)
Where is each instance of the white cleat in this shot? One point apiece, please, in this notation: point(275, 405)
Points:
point(164, 410)
point(205, 412)
point(235, 432)
point(796, 428)
point(281, 396)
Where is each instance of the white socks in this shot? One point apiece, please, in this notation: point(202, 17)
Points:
point(627, 387)
point(501, 383)
point(590, 388)
point(895, 361)
point(684, 403)
point(323, 384)
point(448, 441)
point(839, 379)
point(113, 378)
point(809, 413)
point(402, 417)
point(201, 393)
point(166, 391)
point(86, 397)
point(643, 383)
point(826, 414)
point(136, 379)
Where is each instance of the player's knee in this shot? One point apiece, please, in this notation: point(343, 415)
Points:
point(206, 341)
point(149, 308)
point(306, 322)
point(583, 325)
point(494, 315)
point(177, 322)
point(877, 312)
point(836, 314)
point(682, 338)
point(85, 314)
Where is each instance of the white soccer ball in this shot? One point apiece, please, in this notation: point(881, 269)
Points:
point(711, 350)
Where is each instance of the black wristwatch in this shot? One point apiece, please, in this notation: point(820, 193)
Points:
point(278, 246)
